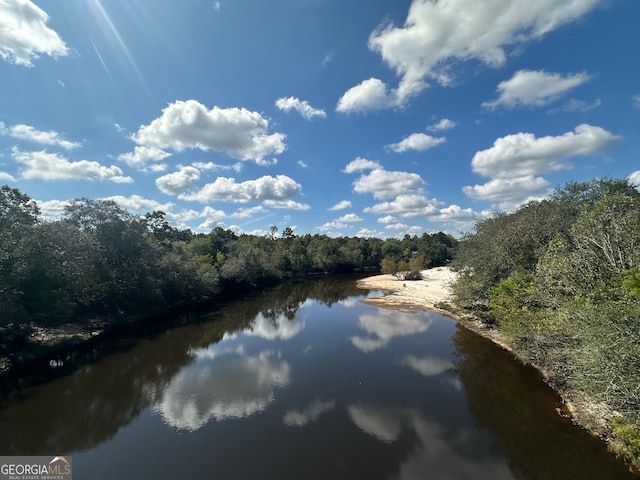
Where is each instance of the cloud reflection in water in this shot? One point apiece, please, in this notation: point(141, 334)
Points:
point(383, 326)
point(234, 388)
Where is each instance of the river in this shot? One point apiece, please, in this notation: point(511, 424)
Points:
point(300, 382)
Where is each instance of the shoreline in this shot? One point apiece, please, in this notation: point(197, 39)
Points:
point(433, 292)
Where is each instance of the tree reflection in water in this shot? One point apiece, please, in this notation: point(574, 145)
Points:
point(511, 401)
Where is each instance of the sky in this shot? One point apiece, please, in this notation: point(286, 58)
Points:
point(339, 117)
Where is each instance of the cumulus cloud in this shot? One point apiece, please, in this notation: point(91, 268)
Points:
point(137, 204)
point(415, 141)
point(350, 217)
point(288, 204)
point(634, 178)
point(52, 209)
point(371, 94)
point(459, 216)
point(437, 35)
point(238, 132)
point(407, 205)
point(31, 134)
point(523, 154)
point(508, 193)
point(24, 35)
point(331, 226)
point(142, 155)
point(386, 184)
point(270, 188)
point(301, 106)
point(7, 177)
point(42, 165)
point(442, 124)
point(178, 182)
point(341, 205)
point(529, 88)
point(359, 164)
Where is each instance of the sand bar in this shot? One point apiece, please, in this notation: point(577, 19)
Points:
point(409, 295)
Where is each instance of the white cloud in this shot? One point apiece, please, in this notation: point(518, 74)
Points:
point(137, 204)
point(437, 35)
point(443, 124)
point(397, 226)
point(508, 193)
point(635, 100)
point(6, 177)
point(415, 141)
point(302, 164)
point(349, 217)
point(238, 132)
point(31, 134)
point(288, 204)
point(361, 164)
point(406, 206)
point(216, 6)
point(387, 184)
point(634, 178)
point(331, 226)
point(212, 218)
point(236, 167)
point(142, 155)
point(53, 209)
point(248, 212)
point(24, 34)
point(529, 88)
point(42, 165)
point(523, 154)
point(301, 106)
point(574, 105)
point(458, 215)
point(371, 94)
point(178, 182)
point(387, 219)
point(276, 189)
point(341, 205)
point(368, 233)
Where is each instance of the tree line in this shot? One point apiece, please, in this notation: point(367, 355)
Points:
point(98, 260)
point(561, 279)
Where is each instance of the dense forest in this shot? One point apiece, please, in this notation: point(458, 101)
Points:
point(560, 278)
point(100, 261)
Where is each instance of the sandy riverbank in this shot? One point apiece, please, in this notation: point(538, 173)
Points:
point(434, 287)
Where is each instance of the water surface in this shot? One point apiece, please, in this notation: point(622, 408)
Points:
point(304, 381)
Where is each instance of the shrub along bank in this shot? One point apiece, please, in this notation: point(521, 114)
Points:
point(560, 279)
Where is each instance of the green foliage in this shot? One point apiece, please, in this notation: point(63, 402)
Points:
point(561, 279)
point(388, 266)
point(632, 281)
point(626, 440)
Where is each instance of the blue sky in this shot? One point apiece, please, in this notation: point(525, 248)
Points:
point(335, 117)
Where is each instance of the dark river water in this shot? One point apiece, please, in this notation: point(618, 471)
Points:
point(304, 382)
